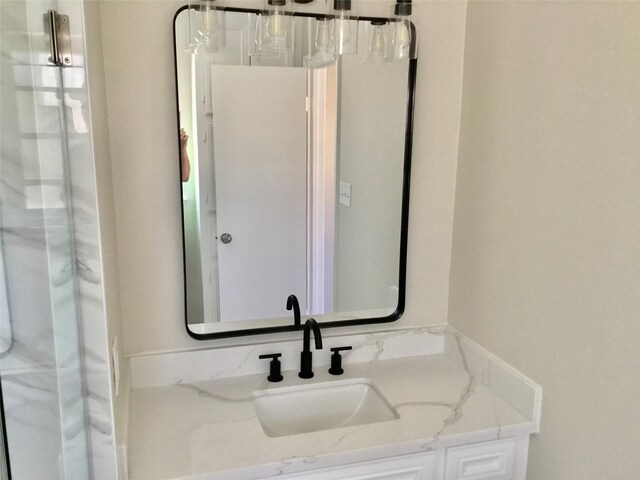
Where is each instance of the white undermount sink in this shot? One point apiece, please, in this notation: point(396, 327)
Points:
point(321, 406)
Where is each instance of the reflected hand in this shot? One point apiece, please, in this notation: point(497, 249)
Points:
point(184, 138)
point(184, 156)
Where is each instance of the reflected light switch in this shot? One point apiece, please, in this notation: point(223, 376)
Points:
point(345, 194)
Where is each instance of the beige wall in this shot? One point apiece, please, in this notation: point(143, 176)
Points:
point(546, 245)
point(138, 59)
point(138, 56)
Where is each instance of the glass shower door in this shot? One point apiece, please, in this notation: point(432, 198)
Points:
point(41, 367)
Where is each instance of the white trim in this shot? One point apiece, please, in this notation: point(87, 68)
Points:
point(321, 224)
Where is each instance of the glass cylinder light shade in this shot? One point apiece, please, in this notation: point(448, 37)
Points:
point(203, 26)
point(274, 28)
point(402, 38)
point(345, 30)
point(378, 43)
point(322, 47)
point(277, 20)
point(404, 32)
point(324, 35)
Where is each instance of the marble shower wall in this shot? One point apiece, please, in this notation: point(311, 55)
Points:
point(54, 359)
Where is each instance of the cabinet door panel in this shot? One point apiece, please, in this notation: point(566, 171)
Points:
point(484, 461)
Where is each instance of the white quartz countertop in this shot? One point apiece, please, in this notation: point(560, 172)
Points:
point(210, 429)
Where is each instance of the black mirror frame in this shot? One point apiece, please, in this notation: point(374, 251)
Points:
point(404, 228)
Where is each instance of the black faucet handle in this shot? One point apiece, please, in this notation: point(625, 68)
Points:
point(275, 367)
point(336, 360)
point(340, 349)
point(275, 356)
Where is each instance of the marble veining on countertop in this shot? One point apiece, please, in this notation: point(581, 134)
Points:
point(209, 429)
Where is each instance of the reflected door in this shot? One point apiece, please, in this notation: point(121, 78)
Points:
point(260, 158)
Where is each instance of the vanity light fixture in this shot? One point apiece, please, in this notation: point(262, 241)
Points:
point(403, 31)
point(345, 29)
point(203, 26)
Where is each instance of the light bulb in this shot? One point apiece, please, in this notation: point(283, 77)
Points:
point(402, 39)
point(324, 34)
point(378, 44)
point(207, 24)
point(323, 44)
point(277, 23)
point(343, 33)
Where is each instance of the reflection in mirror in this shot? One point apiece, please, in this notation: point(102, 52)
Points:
point(293, 176)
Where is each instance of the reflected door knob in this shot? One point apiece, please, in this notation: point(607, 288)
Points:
point(226, 238)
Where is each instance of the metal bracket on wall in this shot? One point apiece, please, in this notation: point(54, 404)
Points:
point(58, 38)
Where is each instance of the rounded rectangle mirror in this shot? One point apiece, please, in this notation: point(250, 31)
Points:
point(294, 167)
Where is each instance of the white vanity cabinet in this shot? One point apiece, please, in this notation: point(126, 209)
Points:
point(406, 467)
point(496, 460)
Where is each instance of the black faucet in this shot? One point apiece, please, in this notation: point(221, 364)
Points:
point(306, 357)
point(292, 302)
